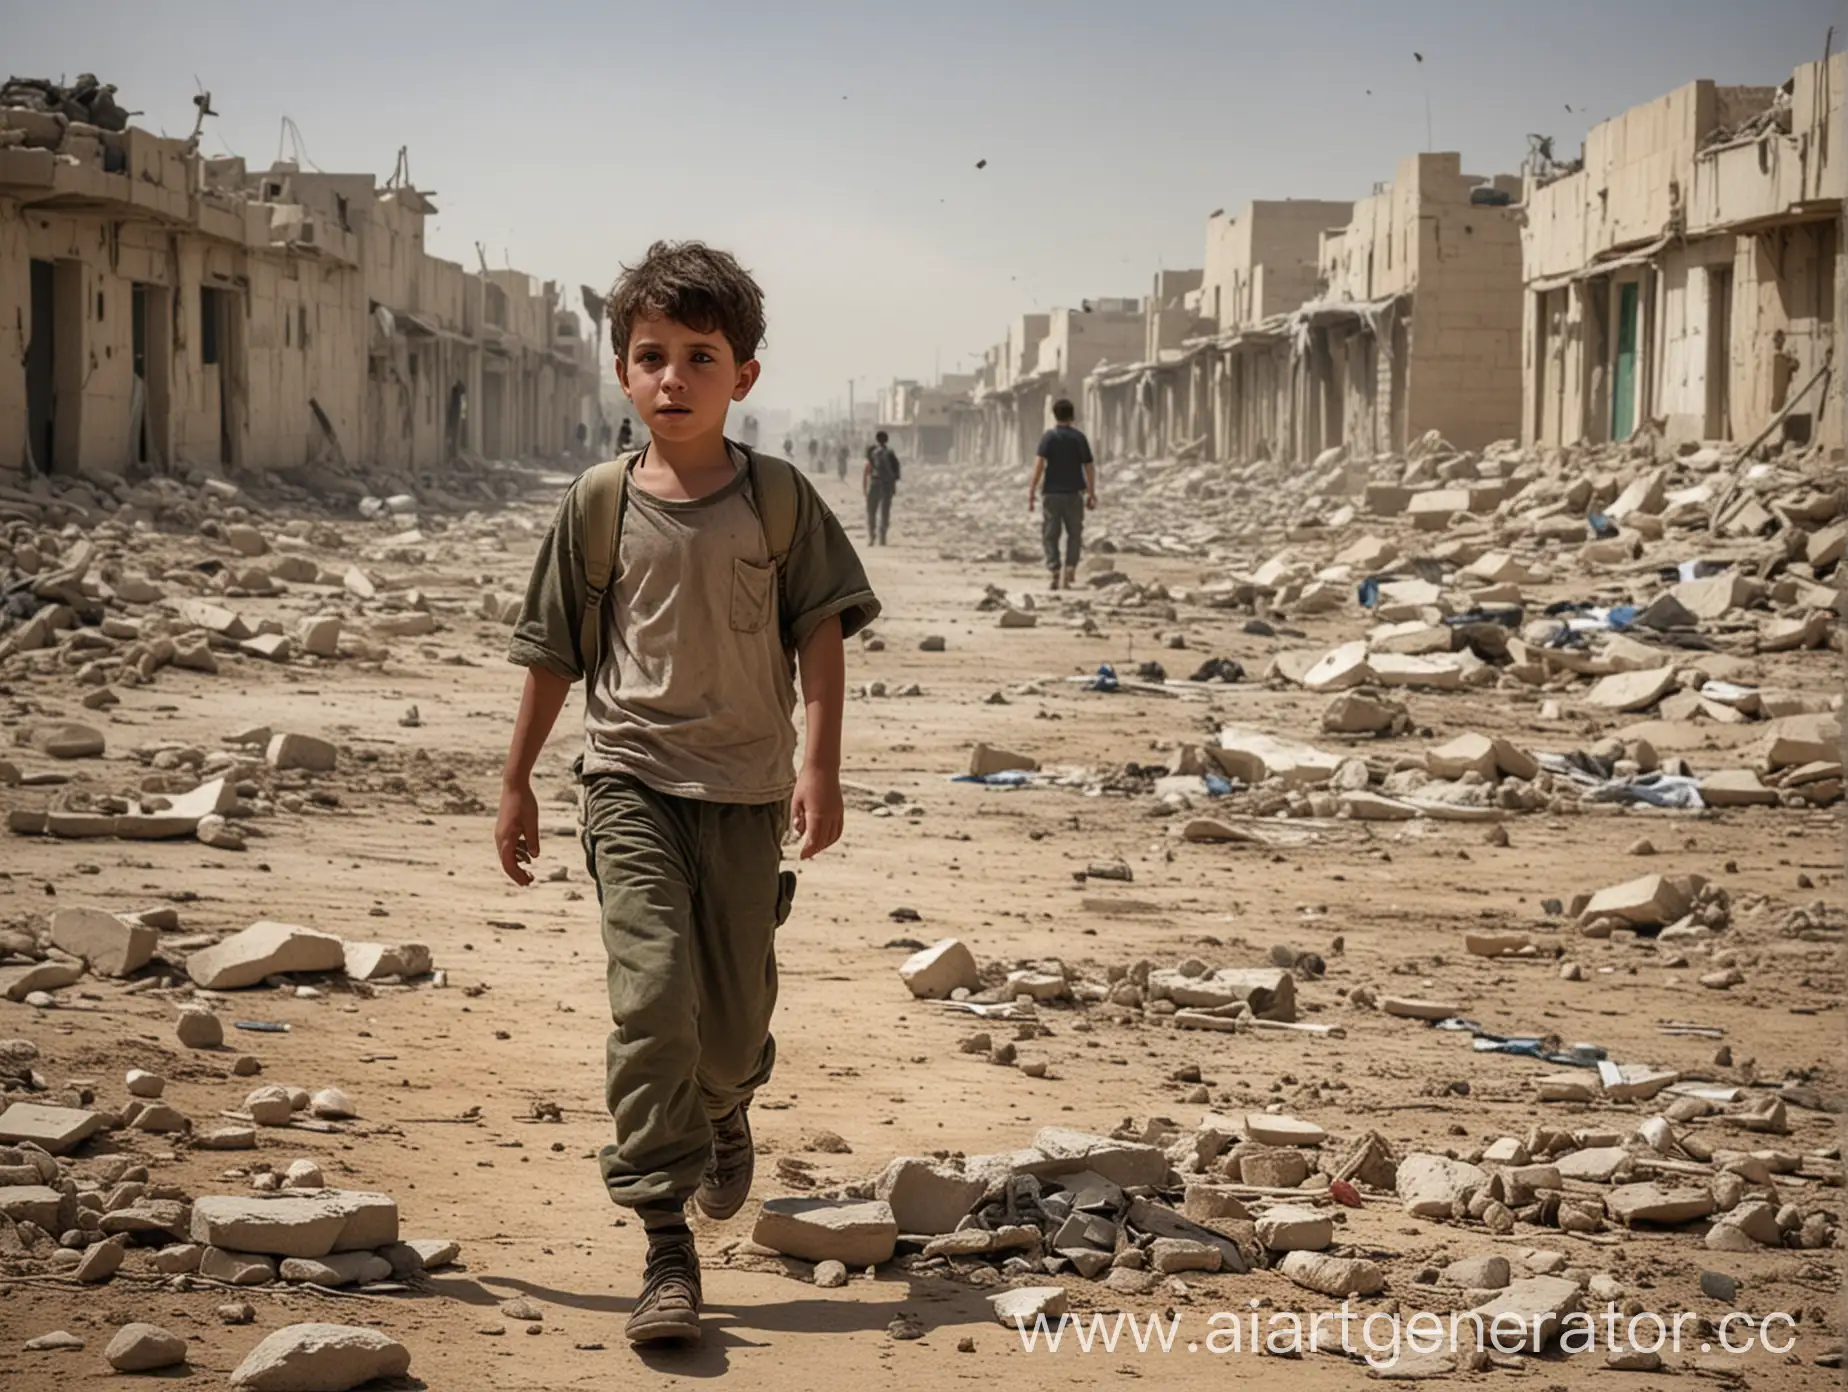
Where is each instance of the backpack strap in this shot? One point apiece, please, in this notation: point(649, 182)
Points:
point(775, 488)
point(602, 495)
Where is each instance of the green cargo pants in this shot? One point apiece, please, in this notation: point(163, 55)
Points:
point(692, 893)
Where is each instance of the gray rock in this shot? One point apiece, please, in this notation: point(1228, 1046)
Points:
point(141, 1348)
point(321, 1358)
point(199, 1029)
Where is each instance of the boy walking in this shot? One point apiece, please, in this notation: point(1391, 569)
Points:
point(879, 483)
point(1064, 463)
point(687, 585)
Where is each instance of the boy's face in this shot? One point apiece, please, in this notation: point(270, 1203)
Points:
point(682, 380)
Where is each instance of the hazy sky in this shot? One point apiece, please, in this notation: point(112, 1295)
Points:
point(833, 145)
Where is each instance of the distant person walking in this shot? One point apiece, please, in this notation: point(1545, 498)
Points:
point(840, 459)
point(625, 438)
point(1065, 466)
point(814, 448)
point(879, 483)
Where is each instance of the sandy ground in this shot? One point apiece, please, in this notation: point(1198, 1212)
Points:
point(446, 1080)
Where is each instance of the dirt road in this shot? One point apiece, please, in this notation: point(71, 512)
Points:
point(450, 1082)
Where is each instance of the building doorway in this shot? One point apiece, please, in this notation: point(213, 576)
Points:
point(41, 370)
point(1623, 385)
point(153, 356)
point(1719, 352)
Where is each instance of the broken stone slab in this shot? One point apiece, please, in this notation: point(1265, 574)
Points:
point(1274, 1130)
point(112, 946)
point(295, 1224)
point(1146, 1216)
point(147, 1215)
point(1630, 1204)
point(1795, 740)
point(1026, 1305)
point(1169, 1256)
point(1438, 673)
point(1736, 788)
point(366, 961)
point(1632, 691)
point(1332, 1276)
point(63, 739)
point(858, 1234)
point(967, 1242)
point(1252, 756)
point(336, 1269)
point(927, 1196)
point(271, 647)
point(1567, 1087)
point(321, 1358)
point(986, 759)
point(1645, 902)
point(237, 1268)
point(1126, 1163)
point(295, 751)
point(32, 1203)
point(55, 1130)
point(264, 949)
point(1413, 636)
point(1527, 1315)
point(1267, 993)
point(1342, 667)
point(1429, 1185)
point(1716, 596)
point(1294, 1228)
point(1595, 1164)
point(1478, 1273)
point(215, 619)
point(19, 982)
point(100, 1261)
point(936, 971)
point(1354, 713)
point(1372, 807)
point(319, 636)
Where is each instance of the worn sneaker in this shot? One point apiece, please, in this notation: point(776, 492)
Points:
point(727, 1181)
point(669, 1305)
point(1055, 579)
point(1071, 577)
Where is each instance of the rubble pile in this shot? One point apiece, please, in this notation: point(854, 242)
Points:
point(1594, 583)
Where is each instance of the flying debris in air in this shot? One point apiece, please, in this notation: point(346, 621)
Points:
point(1419, 56)
point(981, 164)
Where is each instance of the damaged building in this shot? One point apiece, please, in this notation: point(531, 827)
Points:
point(1044, 357)
point(1684, 276)
point(161, 312)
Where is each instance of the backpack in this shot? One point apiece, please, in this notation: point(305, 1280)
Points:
point(602, 498)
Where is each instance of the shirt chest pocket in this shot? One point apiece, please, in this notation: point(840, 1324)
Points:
point(753, 595)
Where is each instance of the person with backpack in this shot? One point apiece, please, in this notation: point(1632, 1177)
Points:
point(687, 585)
point(879, 483)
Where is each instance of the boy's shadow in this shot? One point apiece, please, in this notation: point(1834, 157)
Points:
point(728, 1327)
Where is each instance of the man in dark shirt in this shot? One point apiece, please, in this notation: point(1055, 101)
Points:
point(879, 483)
point(1065, 466)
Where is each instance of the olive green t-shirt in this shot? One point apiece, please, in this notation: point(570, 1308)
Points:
point(695, 692)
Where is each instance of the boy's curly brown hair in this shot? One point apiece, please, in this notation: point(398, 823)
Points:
point(692, 284)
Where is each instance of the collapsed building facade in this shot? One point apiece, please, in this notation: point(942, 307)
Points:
point(1685, 277)
point(161, 312)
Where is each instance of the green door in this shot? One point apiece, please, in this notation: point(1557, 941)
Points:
point(1623, 389)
